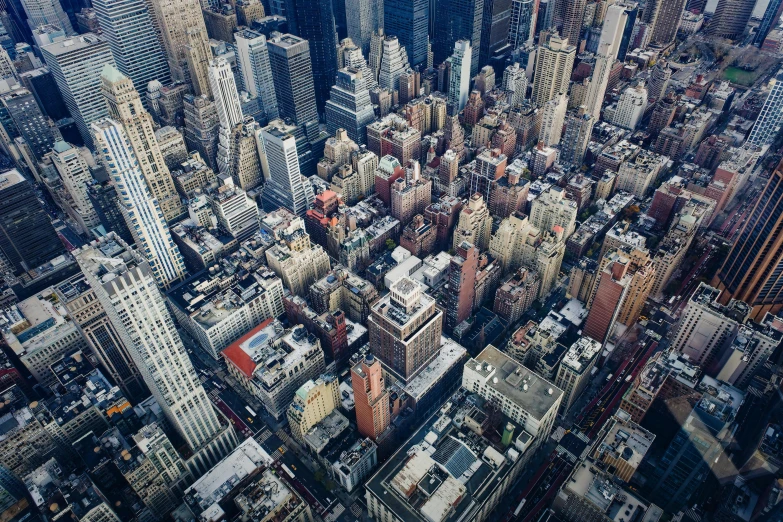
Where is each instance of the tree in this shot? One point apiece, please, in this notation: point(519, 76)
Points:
point(390, 244)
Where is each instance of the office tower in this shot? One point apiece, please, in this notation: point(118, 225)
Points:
point(751, 271)
point(285, 186)
point(393, 63)
point(185, 41)
point(47, 12)
point(522, 26)
point(313, 401)
point(594, 99)
point(27, 237)
point(552, 209)
point(462, 23)
point(313, 21)
point(127, 26)
point(613, 29)
point(730, 18)
point(225, 93)
point(123, 283)
point(75, 174)
point(405, 329)
point(76, 64)
point(292, 73)
point(552, 119)
point(462, 283)
point(660, 75)
point(573, 15)
point(80, 300)
point(574, 371)
point(23, 109)
point(459, 79)
point(495, 26)
point(611, 288)
point(371, 397)
point(103, 198)
point(349, 105)
point(201, 127)
point(515, 84)
point(768, 22)
point(554, 63)
point(363, 18)
point(253, 60)
point(352, 56)
point(240, 157)
point(630, 107)
point(139, 207)
point(364, 163)
point(125, 108)
point(628, 36)
point(408, 20)
point(770, 117)
point(576, 136)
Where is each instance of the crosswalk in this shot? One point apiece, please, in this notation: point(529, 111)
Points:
point(338, 510)
point(356, 509)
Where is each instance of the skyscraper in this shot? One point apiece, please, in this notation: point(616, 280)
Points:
point(76, 64)
point(124, 284)
point(47, 12)
point(459, 79)
point(613, 29)
point(394, 62)
point(594, 99)
point(125, 108)
point(770, 117)
point(495, 25)
point(371, 397)
point(553, 70)
point(730, 18)
point(127, 26)
point(573, 14)
point(32, 125)
point(285, 186)
point(462, 284)
point(201, 127)
point(253, 61)
point(665, 15)
point(363, 17)
point(409, 20)
point(611, 288)
point(349, 105)
point(578, 129)
point(753, 269)
point(460, 20)
point(185, 40)
point(522, 26)
point(770, 19)
point(140, 209)
point(75, 173)
point(313, 21)
point(27, 237)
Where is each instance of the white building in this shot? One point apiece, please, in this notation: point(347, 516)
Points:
point(551, 209)
point(394, 62)
point(552, 119)
point(253, 60)
point(459, 79)
point(75, 174)
point(285, 185)
point(630, 107)
point(575, 370)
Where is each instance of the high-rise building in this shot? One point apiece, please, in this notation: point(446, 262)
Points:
point(660, 75)
point(576, 136)
point(313, 21)
point(462, 283)
point(768, 22)
point(286, 186)
point(202, 127)
point(594, 98)
point(47, 12)
point(76, 64)
point(313, 401)
point(75, 174)
point(363, 18)
point(462, 23)
point(405, 329)
point(665, 19)
point(730, 18)
point(522, 26)
point(393, 63)
point(611, 288)
point(459, 79)
point(552, 119)
point(139, 207)
point(770, 117)
point(573, 16)
point(125, 108)
point(225, 93)
point(253, 61)
point(409, 20)
point(751, 271)
point(554, 63)
point(349, 105)
point(552, 209)
point(371, 397)
point(474, 224)
point(185, 40)
point(27, 237)
point(26, 114)
point(124, 284)
point(495, 25)
point(103, 197)
point(631, 107)
point(134, 43)
point(515, 84)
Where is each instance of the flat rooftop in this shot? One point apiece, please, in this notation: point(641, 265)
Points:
point(451, 354)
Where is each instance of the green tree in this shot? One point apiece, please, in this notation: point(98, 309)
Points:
point(390, 244)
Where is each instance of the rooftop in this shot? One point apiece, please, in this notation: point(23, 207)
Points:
point(623, 439)
point(450, 355)
point(581, 353)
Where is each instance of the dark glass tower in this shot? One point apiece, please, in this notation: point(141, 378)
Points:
point(770, 18)
point(409, 20)
point(632, 10)
point(494, 29)
point(313, 20)
point(30, 121)
point(461, 20)
point(103, 197)
point(27, 237)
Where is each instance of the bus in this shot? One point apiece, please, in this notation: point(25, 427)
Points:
point(250, 410)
